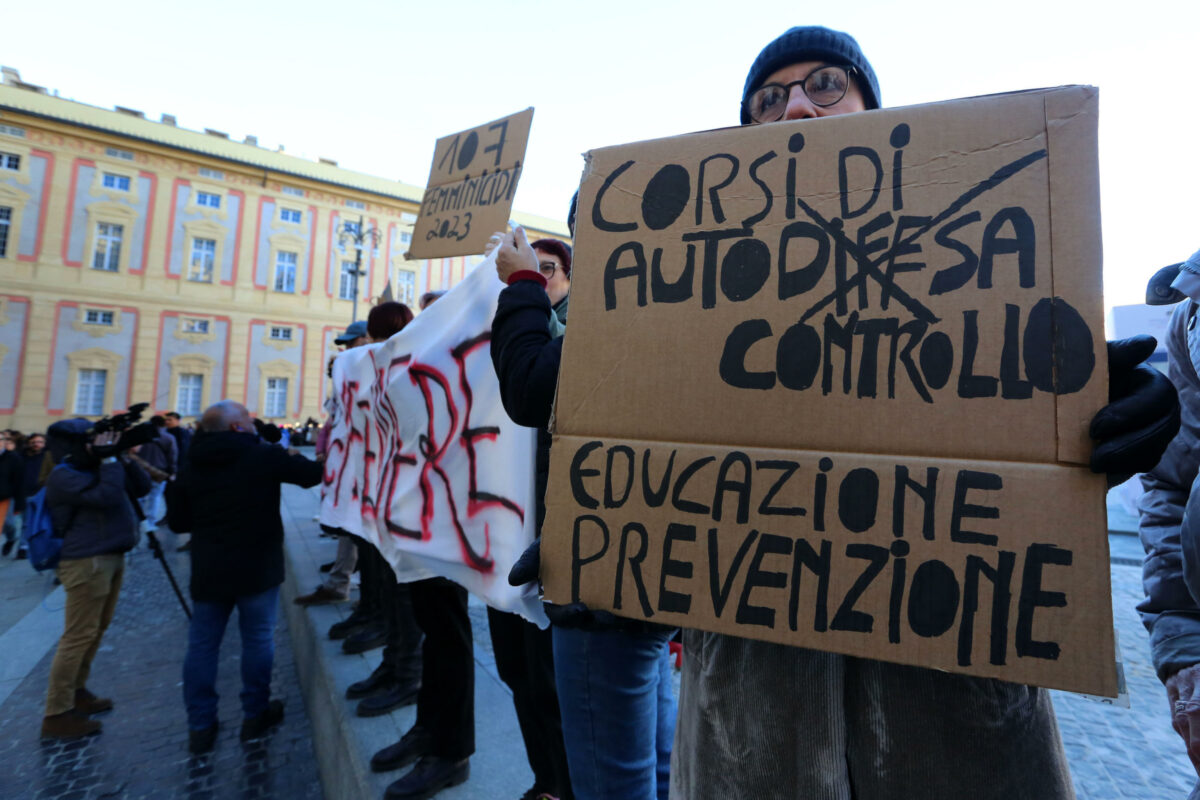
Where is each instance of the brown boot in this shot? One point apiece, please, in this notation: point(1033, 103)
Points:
point(68, 725)
point(88, 703)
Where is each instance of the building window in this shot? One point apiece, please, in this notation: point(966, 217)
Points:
point(10, 161)
point(346, 286)
point(108, 246)
point(214, 174)
point(94, 316)
point(406, 287)
point(10, 130)
point(115, 153)
point(275, 404)
point(118, 182)
point(285, 271)
point(195, 326)
point(189, 394)
point(280, 333)
point(204, 254)
point(290, 215)
point(356, 204)
point(292, 190)
point(89, 392)
point(5, 224)
point(208, 199)
point(406, 237)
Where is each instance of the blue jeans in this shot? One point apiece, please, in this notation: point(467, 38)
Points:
point(256, 621)
point(618, 712)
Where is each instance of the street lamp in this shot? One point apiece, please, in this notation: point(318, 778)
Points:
point(358, 235)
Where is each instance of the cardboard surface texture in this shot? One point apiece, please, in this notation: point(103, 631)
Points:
point(472, 181)
point(828, 383)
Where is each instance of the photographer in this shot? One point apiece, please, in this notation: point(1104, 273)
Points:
point(90, 500)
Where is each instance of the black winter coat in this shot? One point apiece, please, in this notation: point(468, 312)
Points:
point(228, 497)
point(527, 359)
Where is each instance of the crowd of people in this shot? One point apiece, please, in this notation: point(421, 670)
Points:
point(592, 693)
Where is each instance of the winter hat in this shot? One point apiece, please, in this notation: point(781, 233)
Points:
point(812, 43)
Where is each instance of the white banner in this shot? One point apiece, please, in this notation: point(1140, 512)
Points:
point(423, 461)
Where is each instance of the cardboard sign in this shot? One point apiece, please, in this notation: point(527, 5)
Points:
point(828, 383)
point(471, 185)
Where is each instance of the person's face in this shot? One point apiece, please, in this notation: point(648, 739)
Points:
point(798, 104)
point(37, 444)
point(558, 284)
point(171, 422)
point(6, 443)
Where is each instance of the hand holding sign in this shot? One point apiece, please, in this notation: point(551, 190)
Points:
point(513, 253)
point(1183, 692)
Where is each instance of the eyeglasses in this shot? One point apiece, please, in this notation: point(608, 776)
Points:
point(824, 87)
point(548, 268)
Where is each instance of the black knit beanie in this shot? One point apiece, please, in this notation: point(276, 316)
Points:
point(812, 43)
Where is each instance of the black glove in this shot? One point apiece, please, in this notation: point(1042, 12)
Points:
point(571, 615)
point(268, 431)
point(1142, 415)
point(527, 566)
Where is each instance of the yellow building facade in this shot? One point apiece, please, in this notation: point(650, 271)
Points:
point(142, 262)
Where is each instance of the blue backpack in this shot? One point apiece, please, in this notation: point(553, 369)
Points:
point(37, 533)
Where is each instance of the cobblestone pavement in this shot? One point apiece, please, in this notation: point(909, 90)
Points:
point(142, 752)
point(1125, 752)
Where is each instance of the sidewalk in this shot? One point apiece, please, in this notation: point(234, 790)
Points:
point(142, 751)
point(344, 742)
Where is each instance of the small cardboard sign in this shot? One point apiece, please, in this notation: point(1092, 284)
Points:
point(828, 383)
point(471, 186)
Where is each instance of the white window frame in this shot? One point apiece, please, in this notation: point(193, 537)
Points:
point(5, 229)
point(275, 401)
point(286, 263)
point(346, 281)
point(357, 205)
point(208, 199)
point(406, 287)
point(10, 162)
point(280, 333)
point(292, 190)
point(120, 183)
point(90, 385)
point(189, 394)
point(291, 215)
point(109, 238)
point(204, 251)
point(114, 152)
point(97, 316)
point(214, 174)
point(195, 325)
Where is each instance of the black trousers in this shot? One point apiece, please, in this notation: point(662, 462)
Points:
point(402, 653)
point(446, 702)
point(525, 661)
point(371, 574)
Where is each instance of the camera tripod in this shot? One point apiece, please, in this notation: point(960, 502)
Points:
point(156, 548)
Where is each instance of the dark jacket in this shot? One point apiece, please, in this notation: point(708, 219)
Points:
point(161, 452)
point(12, 477)
point(527, 358)
point(93, 507)
point(183, 440)
point(33, 471)
point(228, 497)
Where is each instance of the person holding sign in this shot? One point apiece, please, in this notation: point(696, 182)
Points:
point(612, 675)
point(1168, 508)
point(766, 720)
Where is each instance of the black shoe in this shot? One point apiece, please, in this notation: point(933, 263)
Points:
point(398, 696)
point(21, 554)
point(326, 567)
point(428, 777)
point(377, 681)
point(350, 625)
point(256, 727)
point(203, 740)
point(412, 745)
point(8, 546)
point(366, 639)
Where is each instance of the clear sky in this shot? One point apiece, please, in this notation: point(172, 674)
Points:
point(374, 83)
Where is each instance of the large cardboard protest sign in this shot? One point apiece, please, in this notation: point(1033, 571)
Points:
point(472, 181)
point(423, 461)
point(828, 383)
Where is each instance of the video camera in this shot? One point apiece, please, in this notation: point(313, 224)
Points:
point(131, 434)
